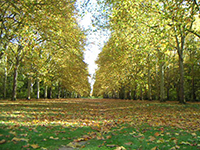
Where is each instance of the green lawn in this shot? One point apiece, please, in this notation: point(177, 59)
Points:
point(98, 124)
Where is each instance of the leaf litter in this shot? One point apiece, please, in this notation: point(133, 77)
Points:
point(106, 118)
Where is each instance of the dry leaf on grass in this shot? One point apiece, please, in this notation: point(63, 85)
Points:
point(120, 148)
point(35, 146)
point(3, 141)
point(129, 143)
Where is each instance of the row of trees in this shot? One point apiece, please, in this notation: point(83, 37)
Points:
point(153, 51)
point(41, 50)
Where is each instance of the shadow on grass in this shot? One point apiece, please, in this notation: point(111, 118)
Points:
point(98, 124)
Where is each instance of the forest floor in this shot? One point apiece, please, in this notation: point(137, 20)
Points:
point(68, 124)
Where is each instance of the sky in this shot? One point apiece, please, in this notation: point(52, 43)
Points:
point(95, 40)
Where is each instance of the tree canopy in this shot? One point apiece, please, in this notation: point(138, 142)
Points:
point(41, 42)
point(152, 52)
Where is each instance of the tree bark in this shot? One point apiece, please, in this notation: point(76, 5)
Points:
point(29, 89)
point(141, 93)
point(193, 85)
point(16, 67)
point(162, 96)
point(38, 89)
point(182, 96)
point(149, 78)
point(180, 48)
point(50, 92)
point(46, 92)
point(59, 90)
point(157, 85)
point(14, 92)
point(5, 83)
point(181, 69)
point(149, 85)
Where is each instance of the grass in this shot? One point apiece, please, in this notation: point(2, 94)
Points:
point(98, 124)
point(43, 137)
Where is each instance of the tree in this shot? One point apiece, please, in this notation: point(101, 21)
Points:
point(149, 30)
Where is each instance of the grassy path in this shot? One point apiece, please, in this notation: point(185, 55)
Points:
point(98, 124)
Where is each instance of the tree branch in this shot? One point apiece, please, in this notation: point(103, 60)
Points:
point(195, 33)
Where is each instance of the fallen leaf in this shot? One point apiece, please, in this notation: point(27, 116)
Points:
point(100, 138)
point(108, 137)
point(157, 134)
point(74, 145)
point(19, 139)
point(86, 137)
point(155, 148)
point(173, 148)
point(14, 133)
point(52, 138)
point(184, 143)
point(35, 146)
point(23, 139)
point(129, 143)
point(79, 139)
point(3, 141)
point(111, 145)
point(177, 134)
point(152, 138)
point(24, 135)
point(161, 140)
point(194, 134)
point(26, 146)
point(120, 148)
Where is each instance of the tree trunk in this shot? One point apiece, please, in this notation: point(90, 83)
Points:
point(29, 89)
point(141, 93)
point(15, 78)
point(50, 92)
point(5, 83)
point(46, 92)
point(59, 91)
point(182, 96)
point(181, 69)
point(193, 85)
point(149, 78)
point(38, 89)
point(180, 47)
point(149, 85)
point(162, 98)
point(14, 92)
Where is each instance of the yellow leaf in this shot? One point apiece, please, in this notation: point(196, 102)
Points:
point(152, 138)
point(14, 133)
point(35, 146)
point(120, 148)
point(74, 145)
point(16, 139)
point(155, 148)
point(3, 141)
point(52, 138)
point(19, 139)
point(109, 137)
point(194, 134)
